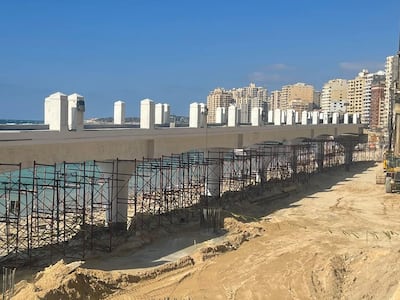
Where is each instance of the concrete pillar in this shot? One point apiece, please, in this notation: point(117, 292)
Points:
point(256, 116)
point(283, 116)
point(203, 115)
point(220, 115)
point(159, 114)
point(346, 118)
point(296, 117)
point(356, 118)
point(194, 115)
point(214, 166)
point(335, 118)
point(244, 113)
point(147, 114)
point(232, 116)
point(56, 111)
point(119, 172)
point(277, 117)
point(270, 117)
point(290, 117)
point(76, 110)
point(315, 118)
point(119, 112)
point(304, 117)
point(325, 118)
point(166, 113)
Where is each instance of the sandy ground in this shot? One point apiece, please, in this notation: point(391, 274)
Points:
point(336, 238)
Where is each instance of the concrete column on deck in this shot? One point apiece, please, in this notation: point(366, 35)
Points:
point(270, 116)
point(212, 184)
point(76, 111)
point(256, 116)
point(119, 112)
point(335, 118)
point(220, 115)
point(290, 117)
point(147, 110)
point(304, 117)
point(119, 173)
point(56, 111)
point(315, 117)
point(277, 116)
point(346, 118)
point(232, 116)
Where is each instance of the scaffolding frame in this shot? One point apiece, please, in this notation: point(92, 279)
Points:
point(65, 210)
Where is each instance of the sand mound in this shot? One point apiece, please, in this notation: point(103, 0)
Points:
point(69, 281)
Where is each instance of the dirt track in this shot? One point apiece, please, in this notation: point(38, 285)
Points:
point(337, 238)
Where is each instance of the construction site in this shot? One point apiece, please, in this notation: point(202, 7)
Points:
point(58, 211)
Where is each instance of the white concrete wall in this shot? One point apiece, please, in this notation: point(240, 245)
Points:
point(119, 112)
point(147, 108)
point(56, 111)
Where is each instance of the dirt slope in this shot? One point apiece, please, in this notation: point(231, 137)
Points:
point(337, 238)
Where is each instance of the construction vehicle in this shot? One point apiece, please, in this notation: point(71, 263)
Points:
point(391, 160)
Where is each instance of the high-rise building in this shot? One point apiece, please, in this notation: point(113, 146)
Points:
point(392, 72)
point(355, 92)
point(297, 96)
point(274, 100)
point(247, 98)
point(334, 91)
point(377, 105)
point(219, 97)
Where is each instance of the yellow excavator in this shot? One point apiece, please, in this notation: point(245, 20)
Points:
point(391, 159)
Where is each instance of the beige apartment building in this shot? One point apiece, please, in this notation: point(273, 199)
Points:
point(219, 97)
point(274, 100)
point(297, 96)
point(334, 91)
point(355, 92)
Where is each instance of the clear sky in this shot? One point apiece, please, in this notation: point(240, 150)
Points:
point(177, 51)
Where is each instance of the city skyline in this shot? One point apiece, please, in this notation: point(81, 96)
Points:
point(177, 52)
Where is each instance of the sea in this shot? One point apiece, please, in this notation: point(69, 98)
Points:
point(19, 122)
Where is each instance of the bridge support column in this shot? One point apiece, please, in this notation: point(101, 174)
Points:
point(214, 167)
point(119, 173)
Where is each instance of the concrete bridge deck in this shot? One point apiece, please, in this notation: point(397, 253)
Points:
point(50, 147)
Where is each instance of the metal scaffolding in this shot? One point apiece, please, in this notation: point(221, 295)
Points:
point(48, 212)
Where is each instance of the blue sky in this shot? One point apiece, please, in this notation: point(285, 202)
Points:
point(176, 51)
